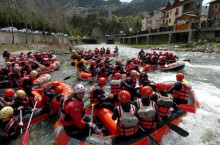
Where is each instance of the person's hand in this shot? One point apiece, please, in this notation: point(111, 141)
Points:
point(35, 109)
point(111, 96)
point(1, 99)
point(90, 124)
point(21, 124)
point(20, 107)
point(35, 98)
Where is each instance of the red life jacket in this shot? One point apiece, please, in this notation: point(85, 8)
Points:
point(102, 51)
point(13, 122)
point(95, 99)
point(116, 88)
point(183, 93)
point(55, 104)
point(163, 111)
point(46, 61)
point(96, 51)
point(23, 79)
point(25, 102)
point(162, 60)
point(87, 57)
point(126, 130)
point(147, 123)
point(154, 59)
point(65, 118)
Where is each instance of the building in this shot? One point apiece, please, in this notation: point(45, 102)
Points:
point(192, 7)
point(204, 16)
point(144, 24)
point(163, 16)
point(214, 11)
point(173, 11)
point(156, 19)
point(185, 21)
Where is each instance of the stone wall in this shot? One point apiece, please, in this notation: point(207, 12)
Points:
point(6, 38)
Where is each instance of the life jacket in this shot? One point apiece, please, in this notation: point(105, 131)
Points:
point(130, 67)
point(108, 51)
point(56, 104)
point(79, 64)
point(74, 56)
point(154, 59)
point(95, 99)
point(65, 118)
point(164, 106)
point(125, 130)
point(115, 87)
point(87, 56)
point(23, 79)
point(12, 76)
point(161, 60)
point(46, 61)
point(183, 94)
point(13, 122)
point(25, 102)
point(146, 115)
point(172, 59)
point(102, 51)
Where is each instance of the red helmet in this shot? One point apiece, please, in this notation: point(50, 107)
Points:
point(118, 76)
point(102, 63)
point(136, 61)
point(147, 68)
point(93, 63)
point(154, 52)
point(99, 58)
point(59, 89)
point(124, 96)
point(107, 58)
point(171, 54)
point(9, 93)
point(179, 76)
point(160, 53)
point(147, 91)
point(45, 56)
point(133, 58)
point(161, 87)
point(102, 81)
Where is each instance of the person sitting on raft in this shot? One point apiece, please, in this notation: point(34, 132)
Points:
point(141, 54)
point(108, 51)
point(147, 110)
point(15, 76)
point(116, 86)
point(46, 61)
point(115, 49)
point(180, 90)
point(8, 99)
point(74, 55)
point(130, 83)
point(164, 101)
point(27, 82)
point(22, 102)
point(103, 71)
point(80, 64)
point(96, 52)
point(98, 98)
point(72, 112)
point(119, 67)
point(127, 123)
point(25, 68)
point(144, 81)
point(93, 69)
point(9, 124)
point(57, 99)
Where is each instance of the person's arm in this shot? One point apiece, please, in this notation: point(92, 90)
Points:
point(135, 103)
point(75, 114)
point(115, 114)
point(176, 86)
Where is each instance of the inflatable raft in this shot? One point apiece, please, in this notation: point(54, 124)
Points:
point(172, 66)
point(53, 66)
point(104, 115)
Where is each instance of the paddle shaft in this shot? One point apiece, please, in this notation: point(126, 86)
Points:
point(90, 129)
point(66, 78)
point(21, 127)
point(31, 116)
point(148, 135)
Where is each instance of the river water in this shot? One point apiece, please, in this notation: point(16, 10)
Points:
point(203, 73)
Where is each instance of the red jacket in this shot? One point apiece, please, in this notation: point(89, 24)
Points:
point(74, 110)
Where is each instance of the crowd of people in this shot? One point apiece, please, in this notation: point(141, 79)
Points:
point(17, 68)
point(134, 100)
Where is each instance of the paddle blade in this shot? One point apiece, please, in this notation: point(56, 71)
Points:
point(186, 60)
point(66, 78)
point(178, 130)
point(187, 108)
point(25, 137)
point(65, 64)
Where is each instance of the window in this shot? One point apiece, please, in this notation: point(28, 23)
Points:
point(177, 11)
point(170, 11)
point(169, 20)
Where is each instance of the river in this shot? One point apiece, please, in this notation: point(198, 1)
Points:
point(203, 73)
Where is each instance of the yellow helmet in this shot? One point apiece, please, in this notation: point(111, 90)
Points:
point(20, 93)
point(6, 112)
point(34, 73)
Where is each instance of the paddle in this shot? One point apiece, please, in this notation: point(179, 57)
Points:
point(148, 135)
point(188, 108)
point(177, 129)
point(21, 127)
point(66, 78)
point(90, 130)
point(26, 134)
point(187, 60)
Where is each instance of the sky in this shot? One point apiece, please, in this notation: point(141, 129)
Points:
point(204, 1)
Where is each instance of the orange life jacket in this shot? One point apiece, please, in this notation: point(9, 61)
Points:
point(126, 130)
point(183, 93)
point(147, 123)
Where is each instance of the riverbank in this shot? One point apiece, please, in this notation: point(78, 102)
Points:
point(194, 47)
